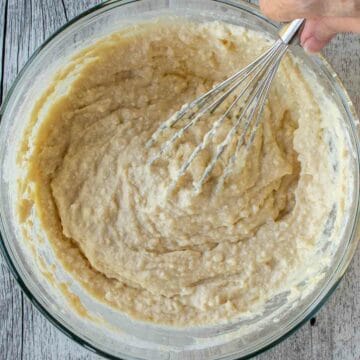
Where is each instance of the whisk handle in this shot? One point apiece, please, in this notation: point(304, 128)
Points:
point(289, 31)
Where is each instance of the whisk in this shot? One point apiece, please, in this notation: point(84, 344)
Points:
point(250, 87)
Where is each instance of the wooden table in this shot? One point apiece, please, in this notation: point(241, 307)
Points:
point(26, 334)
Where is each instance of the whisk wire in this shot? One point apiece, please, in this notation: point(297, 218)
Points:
point(256, 113)
point(252, 85)
point(195, 116)
point(211, 133)
point(246, 116)
point(203, 99)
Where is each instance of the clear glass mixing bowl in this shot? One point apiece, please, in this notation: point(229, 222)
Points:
point(115, 335)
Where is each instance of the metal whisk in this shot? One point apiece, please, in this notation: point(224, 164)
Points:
point(250, 87)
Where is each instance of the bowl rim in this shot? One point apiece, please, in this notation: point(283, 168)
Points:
point(346, 101)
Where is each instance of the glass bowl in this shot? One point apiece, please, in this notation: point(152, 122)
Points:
point(105, 330)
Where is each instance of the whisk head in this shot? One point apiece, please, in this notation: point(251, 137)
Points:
point(240, 98)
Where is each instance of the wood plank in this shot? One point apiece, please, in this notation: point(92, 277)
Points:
point(75, 8)
point(343, 309)
point(10, 316)
point(343, 54)
point(11, 298)
point(3, 16)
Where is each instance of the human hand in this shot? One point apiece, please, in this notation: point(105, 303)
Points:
point(324, 18)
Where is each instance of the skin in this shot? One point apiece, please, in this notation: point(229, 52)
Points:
point(325, 18)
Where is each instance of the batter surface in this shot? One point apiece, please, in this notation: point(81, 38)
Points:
point(179, 258)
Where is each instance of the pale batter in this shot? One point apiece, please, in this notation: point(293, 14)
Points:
point(180, 258)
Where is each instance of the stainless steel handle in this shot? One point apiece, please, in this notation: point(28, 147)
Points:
point(289, 31)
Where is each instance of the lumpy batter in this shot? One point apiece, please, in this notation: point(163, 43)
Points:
point(179, 257)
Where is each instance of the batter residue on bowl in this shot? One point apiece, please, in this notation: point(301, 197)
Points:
point(180, 258)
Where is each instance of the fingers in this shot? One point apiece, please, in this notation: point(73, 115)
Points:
point(325, 18)
point(286, 10)
point(318, 32)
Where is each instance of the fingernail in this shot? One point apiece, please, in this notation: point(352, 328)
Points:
point(309, 45)
point(305, 44)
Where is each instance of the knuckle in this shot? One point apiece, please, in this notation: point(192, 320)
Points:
point(343, 8)
point(266, 7)
point(308, 4)
point(354, 6)
point(284, 9)
point(273, 9)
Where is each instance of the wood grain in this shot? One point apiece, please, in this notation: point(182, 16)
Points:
point(11, 298)
point(26, 334)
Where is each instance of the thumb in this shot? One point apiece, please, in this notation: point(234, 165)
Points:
point(319, 31)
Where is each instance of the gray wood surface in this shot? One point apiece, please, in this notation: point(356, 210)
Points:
point(24, 332)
